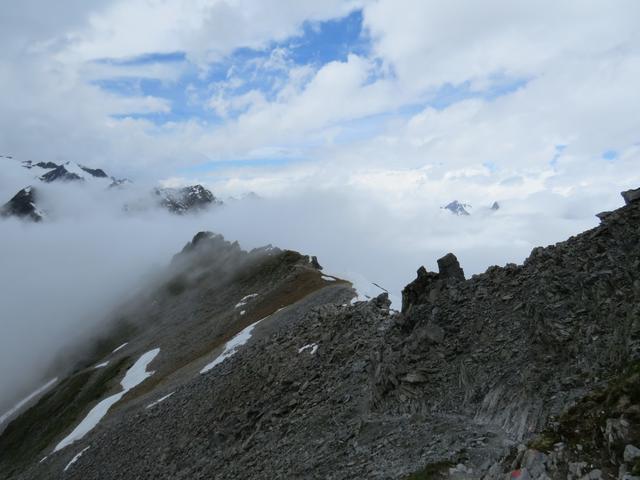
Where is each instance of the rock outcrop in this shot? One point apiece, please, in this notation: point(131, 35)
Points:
point(631, 195)
point(427, 285)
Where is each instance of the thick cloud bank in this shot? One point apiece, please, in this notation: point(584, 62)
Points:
point(60, 278)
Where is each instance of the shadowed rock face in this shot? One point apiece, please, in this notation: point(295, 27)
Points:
point(631, 196)
point(23, 205)
point(526, 355)
point(449, 268)
point(428, 284)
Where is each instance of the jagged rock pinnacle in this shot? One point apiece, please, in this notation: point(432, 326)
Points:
point(449, 267)
point(631, 195)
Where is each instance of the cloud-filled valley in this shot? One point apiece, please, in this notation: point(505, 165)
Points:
point(61, 277)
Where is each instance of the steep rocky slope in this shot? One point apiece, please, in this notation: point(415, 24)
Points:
point(266, 370)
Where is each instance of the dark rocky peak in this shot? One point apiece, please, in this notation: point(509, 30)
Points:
point(60, 174)
point(427, 285)
point(45, 165)
point(313, 260)
point(449, 268)
point(212, 245)
point(631, 196)
point(186, 199)
point(209, 241)
point(94, 172)
point(457, 208)
point(265, 250)
point(495, 206)
point(209, 261)
point(23, 205)
point(69, 171)
point(208, 249)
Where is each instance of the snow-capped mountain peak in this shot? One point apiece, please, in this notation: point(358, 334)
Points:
point(70, 171)
point(181, 200)
point(458, 208)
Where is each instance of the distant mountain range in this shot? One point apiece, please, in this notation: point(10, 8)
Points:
point(462, 209)
point(25, 203)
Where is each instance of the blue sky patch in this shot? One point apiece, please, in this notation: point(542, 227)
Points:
point(146, 59)
point(214, 95)
point(333, 40)
point(265, 71)
point(449, 94)
point(559, 150)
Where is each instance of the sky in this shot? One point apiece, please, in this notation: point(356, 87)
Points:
point(395, 96)
point(354, 121)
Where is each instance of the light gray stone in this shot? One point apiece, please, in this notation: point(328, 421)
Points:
point(631, 453)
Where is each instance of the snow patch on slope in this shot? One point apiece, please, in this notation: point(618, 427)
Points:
point(161, 399)
point(232, 346)
point(313, 347)
point(243, 301)
point(120, 347)
point(75, 458)
point(134, 376)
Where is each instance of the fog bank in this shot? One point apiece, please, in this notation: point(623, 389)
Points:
point(59, 278)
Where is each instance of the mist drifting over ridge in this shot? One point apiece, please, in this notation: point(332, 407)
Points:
point(62, 277)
